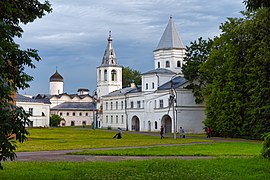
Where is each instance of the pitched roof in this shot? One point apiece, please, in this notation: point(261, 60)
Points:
point(56, 77)
point(22, 98)
point(124, 91)
point(79, 106)
point(170, 38)
point(159, 71)
point(174, 83)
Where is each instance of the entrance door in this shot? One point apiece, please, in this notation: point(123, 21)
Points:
point(167, 123)
point(149, 126)
point(135, 124)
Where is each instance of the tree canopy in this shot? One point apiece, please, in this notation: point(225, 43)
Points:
point(129, 76)
point(13, 60)
point(236, 76)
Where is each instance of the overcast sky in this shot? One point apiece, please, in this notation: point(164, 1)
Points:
point(74, 36)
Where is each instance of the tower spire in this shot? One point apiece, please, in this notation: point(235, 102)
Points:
point(109, 57)
point(170, 38)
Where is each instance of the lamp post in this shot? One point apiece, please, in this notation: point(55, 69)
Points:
point(172, 101)
point(95, 111)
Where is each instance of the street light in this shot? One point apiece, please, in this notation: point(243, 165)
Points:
point(172, 101)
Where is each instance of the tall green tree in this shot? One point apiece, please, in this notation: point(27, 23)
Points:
point(129, 76)
point(13, 60)
point(196, 54)
point(253, 5)
point(238, 98)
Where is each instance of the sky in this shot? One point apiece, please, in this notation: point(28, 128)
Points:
point(74, 36)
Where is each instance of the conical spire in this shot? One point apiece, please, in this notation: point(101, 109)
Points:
point(109, 57)
point(170, 38)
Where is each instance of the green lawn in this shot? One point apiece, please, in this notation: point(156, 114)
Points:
point(242, 159)
point(212, 149)
point(42, 139)
point(220, 168)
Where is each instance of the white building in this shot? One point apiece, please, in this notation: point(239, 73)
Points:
point(162, 99)
point(76, 109)
point(39, 110)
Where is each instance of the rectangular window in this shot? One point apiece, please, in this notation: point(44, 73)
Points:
point(107, 119)
point(138, 104)
point(111, 119)
point(146, 86)
point(122, 104)
point(116, 119)
point(106, 106)
point(167, 64)
point(153, 85)
point(30, 111)
point(131, 104)
point(122, 119)
point(116, 105)
point(161, 103)
point(111, 105)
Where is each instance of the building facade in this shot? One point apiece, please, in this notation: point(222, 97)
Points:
point(39, 110)
point(162, 99)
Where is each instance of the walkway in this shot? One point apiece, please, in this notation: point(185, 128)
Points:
point(61, 155)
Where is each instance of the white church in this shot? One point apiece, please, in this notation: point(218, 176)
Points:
point(162, 99)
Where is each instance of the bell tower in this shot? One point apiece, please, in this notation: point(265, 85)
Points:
point(170, 51)
point(109, 74)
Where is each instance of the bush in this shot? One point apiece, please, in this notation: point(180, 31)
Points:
point(55, 120)
point(266, 145)
point(109, 128)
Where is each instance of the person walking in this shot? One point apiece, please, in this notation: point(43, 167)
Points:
point(161, 132)
point(182, 132)
point(208, 132)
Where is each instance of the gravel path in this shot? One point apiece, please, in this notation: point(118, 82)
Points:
point(61, 155)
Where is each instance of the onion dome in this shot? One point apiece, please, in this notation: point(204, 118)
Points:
point(56, 77)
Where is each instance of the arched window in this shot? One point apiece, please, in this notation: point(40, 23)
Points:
point(113, 73)
point(99, 75)
point(105, 75)
point(158, 64)
point(155, 124)
point(178, 63)
point(167, 64)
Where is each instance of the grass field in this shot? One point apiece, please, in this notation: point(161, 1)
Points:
point(212, 149)
point(42, 139)
point(234, 160)
point(220, 168)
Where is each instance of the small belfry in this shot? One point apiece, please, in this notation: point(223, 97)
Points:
point(170, 51)
point(56, 84)
point(109, 73)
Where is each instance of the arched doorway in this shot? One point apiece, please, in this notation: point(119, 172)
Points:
point(135, 124)
point(149, 126)
point(167, 123)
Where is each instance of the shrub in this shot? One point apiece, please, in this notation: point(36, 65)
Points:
point(266, 145)
point(55, 120)
point(109, 128)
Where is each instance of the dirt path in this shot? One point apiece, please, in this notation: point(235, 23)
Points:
point(61, 155)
